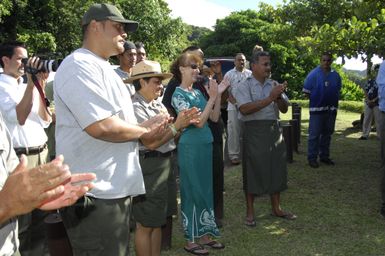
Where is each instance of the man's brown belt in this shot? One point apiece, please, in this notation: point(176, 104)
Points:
point(30, 150)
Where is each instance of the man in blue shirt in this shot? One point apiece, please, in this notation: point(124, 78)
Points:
point(381, 101)
point(322, 87)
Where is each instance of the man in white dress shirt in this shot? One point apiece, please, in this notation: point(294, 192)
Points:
point(25, 115)
point(235, 76)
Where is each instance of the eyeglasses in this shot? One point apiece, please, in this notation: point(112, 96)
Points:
point(327, 60)
point(194, 66)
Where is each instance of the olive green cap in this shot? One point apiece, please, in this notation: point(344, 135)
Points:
point(100, 12)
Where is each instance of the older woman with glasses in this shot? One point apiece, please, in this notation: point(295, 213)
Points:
point(150, 210)
point(195, 156)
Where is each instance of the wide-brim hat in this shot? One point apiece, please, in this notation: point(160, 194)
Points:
point(147, 68)
point(101, 12)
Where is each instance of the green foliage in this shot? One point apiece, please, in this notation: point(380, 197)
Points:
point(358, 77)
point(352, 106)
point(39, 42)
point(296, 33)
point(347, 27)
point(164, 37)
point(292, 59)
point(305, 14)
point(54, 25)
point(5, 7)
point(197, 33)
point(350, 90)
point(45, 20)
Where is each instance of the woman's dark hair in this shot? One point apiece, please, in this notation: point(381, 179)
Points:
point(182, 61)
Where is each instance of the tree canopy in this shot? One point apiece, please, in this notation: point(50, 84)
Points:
point(295, 33)
point(53, 26)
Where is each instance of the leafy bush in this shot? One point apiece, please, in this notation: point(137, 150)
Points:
point(353, 106)
point(350, 90)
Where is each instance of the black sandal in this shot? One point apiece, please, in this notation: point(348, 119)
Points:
point(195, 250)
point(215, 245)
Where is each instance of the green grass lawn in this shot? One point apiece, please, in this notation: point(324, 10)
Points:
point(337, 207)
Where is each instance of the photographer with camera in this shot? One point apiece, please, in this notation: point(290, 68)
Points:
point(26, 115)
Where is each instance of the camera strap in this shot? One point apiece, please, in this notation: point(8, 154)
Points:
point(41, 92)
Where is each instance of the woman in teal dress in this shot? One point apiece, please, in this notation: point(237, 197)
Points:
point(195, 156)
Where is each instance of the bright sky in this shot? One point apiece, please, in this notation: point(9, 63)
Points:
point(357, 64)
point(204, 13)
point(244, 4)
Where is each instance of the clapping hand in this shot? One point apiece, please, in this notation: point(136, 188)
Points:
point(223, 85)
point(187, 117)
point(156, 126)
point(213, 88)
point(47, 187)
point(277, 90)
point(74, 188)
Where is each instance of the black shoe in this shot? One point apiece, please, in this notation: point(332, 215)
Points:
point(363, 138)
point(313, 164)
point(327, 161)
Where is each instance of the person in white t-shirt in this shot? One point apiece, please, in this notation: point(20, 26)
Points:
point(96, 130)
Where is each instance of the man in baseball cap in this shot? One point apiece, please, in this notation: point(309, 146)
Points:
point(100, 12)
point(97, 131)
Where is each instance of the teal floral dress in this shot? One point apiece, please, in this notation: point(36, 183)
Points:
point(195, 167)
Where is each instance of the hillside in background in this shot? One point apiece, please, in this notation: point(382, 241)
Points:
point(360, 73)
point(357, 76)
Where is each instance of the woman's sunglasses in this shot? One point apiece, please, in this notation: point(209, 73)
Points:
point(194, 66)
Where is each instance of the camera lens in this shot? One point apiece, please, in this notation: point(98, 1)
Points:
point(50, 65)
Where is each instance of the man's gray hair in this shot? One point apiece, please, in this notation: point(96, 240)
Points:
point(257, 55)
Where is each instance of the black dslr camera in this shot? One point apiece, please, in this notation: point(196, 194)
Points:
point(44, 66)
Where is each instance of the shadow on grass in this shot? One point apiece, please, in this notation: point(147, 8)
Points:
point(337, 206)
